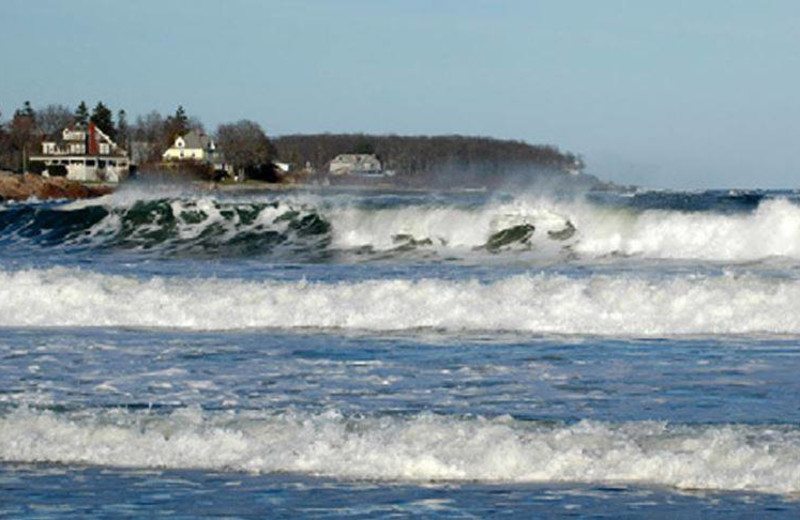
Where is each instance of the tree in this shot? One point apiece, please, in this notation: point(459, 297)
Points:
point(82, 114)
point(52, 119)
point(178, 124)
point(434, 160)
point(103, 119)
point(24, 136)
point(6, 158)
point(148, 138)
point(180, 115)
point(247, 148)
point(122, 128)
point(364, 147)
point(27, 111)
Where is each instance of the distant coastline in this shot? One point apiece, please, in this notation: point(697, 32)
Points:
point(96, 147)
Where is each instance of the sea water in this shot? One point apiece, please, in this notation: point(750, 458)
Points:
point(373, 354)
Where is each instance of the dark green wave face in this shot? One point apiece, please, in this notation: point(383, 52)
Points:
point(200, 227)
point(347, 228)
point(169, 226)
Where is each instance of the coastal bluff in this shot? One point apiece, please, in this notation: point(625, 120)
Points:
point(23, 187)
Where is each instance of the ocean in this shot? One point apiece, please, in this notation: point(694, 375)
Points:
point(372, 354)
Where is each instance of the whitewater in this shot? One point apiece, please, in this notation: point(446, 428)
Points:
point(389, 352)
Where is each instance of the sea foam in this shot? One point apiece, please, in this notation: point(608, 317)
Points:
point(298, 225)
point(423, 447)
point(771, 230)
point(619, 304)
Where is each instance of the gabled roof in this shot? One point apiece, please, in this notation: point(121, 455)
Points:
point(195, 139)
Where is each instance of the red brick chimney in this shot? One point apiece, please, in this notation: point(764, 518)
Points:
point(94, 149)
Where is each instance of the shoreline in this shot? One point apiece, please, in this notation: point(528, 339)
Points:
point(22, 187)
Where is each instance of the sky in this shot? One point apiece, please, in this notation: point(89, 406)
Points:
point(664, 94)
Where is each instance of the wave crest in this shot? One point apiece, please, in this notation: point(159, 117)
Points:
point(418, 448)
point(314, 228)
point(540, 303)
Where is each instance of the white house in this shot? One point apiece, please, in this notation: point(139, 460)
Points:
point(356, 164)
point(194, 145)
point(84, 154)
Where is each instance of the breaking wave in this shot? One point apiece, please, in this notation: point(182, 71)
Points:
point(314, 228)
point(201, 225)
point(617, 304)
point(423, 447)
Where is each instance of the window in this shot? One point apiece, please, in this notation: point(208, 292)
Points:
point(112, 163)
point(101, 163)
point(90, 162)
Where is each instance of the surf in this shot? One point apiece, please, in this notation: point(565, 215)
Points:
point(415, 448)
point(542, 303)
point(307, 227)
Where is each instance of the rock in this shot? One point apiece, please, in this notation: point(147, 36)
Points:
point(520, 234)
point(24, 187)
point(563, 234)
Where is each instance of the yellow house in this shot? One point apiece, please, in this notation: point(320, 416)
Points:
point(193, 146)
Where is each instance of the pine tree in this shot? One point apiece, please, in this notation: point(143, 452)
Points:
point(103, 118)
point(82, 114)
point(180, 116)
point(177, 124)
point(122, 128)
point(27, 110)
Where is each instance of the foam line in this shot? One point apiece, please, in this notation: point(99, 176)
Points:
point(419, 448)
point(539, 303)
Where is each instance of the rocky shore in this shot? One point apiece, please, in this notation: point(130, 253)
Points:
point(24, 187)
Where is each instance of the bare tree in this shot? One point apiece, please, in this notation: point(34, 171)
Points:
point(24, 137)
point(148, 140)
point(52, 119)
point(247, 148)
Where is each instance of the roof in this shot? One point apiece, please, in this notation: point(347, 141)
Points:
point(355, 158)
point(195, 139)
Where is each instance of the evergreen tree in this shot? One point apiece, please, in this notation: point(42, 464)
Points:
point(122, 128)
point(180, 115)
point(178, 124)
point(103, 118)
point(27, 111)
point(82, 114)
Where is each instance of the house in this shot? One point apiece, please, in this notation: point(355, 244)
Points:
point(197, 147)
point(192, 146)
point(84, 153)
point(356, 164)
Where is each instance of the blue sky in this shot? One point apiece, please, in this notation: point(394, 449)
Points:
point(678, 94)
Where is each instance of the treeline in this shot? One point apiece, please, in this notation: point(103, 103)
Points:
point(415, 160)
point(428, 159)
point(246, 147)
